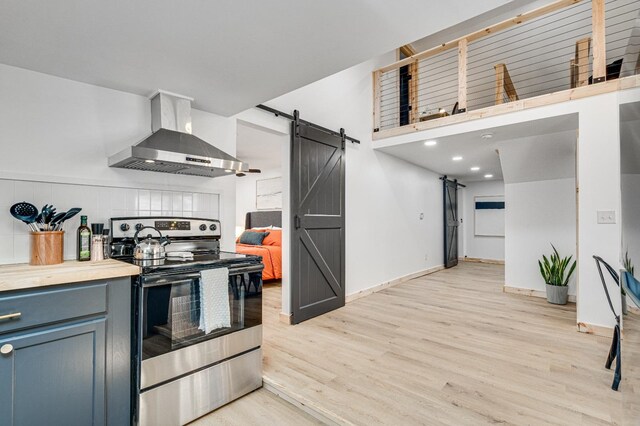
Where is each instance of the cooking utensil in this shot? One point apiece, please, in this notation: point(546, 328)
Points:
point(27, 213)
point(71, 213)
point(46, 214)
point(150, 248)
point(56, 218)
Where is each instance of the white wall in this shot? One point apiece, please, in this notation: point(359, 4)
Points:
point(61, 131)
point(538, 214)
point(479, 246)
point(385, 238)
point(246, 193)
point(99, 203)
point(599, 189)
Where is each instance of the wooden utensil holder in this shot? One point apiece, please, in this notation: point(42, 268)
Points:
point(47, 248)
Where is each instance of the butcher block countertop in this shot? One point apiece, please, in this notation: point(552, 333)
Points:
point(24, 276)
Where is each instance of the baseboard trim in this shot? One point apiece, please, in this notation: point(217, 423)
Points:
point(597, 330)
point(481, 260)
point(319, 413)
point(285, 318)
point(531, 293)
point(366, 292)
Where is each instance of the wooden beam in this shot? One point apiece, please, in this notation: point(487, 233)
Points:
point(624, 83)
point(599, 42)
point(413, 92)
point(499, 92)
point(407, 50)
point(462, 74)
point(376, 100)
point(509, 87)
point(582, 61)
point(524, 17)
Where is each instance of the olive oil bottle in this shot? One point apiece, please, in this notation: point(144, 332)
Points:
point(84, 240)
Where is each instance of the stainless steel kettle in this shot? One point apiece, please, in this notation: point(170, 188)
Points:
point(149, 248)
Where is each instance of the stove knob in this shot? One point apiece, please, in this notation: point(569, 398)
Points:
point(203, 227)
point(124, 227)
point(213, 227)
point(139, 226)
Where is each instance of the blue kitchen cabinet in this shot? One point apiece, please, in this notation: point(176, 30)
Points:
point(65, 359)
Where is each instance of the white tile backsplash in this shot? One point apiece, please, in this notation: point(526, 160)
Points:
point(6, 248)
point(156, 200)
point(187, 203)
point(20, 249)
point(23, 191)
point(6, 194)
point(99, 203)
point(144, 200)
point(6, 222)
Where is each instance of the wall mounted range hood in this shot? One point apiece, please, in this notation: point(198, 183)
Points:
point(171, 148)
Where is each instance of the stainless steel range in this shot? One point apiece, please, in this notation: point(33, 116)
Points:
point(197, 320)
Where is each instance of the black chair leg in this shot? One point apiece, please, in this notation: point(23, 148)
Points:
point(617, 375)
point(613, 350)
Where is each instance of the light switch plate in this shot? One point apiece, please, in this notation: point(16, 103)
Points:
point(606, 216)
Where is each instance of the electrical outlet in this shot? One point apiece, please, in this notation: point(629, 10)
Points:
point(606, 216)
point(426, 256)
point(421, 216)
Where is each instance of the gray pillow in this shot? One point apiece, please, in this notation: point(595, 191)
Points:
point(253, 238)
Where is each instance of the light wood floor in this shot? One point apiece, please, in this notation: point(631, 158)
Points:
point(450, 348)
point(260, 407)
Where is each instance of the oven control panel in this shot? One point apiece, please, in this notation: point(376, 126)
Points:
point(174, 227)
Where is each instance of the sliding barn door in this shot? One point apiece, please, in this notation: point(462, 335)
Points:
point(318, 216)
point(450, 189)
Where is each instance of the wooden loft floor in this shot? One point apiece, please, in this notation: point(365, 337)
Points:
point(450, 348)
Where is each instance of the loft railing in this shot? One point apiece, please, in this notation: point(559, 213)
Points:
point(556, 48)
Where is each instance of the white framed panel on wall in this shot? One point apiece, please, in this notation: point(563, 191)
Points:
point(269, 194)
point(489, 216)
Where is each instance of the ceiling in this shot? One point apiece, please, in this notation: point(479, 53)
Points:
point(229, 55)
point(630, 138)
point(547, 141)
point(259, 148)
point(538, 158)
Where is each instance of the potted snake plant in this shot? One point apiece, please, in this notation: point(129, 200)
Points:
point(554, 271)
point(628, 265)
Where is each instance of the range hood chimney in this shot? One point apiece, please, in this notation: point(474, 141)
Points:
point(171, 148)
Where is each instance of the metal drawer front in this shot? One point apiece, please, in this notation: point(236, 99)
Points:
point(36, 308)
point(167, 366)
point(206, 390)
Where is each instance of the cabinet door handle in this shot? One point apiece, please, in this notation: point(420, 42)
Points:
point(10, 316)
point(6, 349)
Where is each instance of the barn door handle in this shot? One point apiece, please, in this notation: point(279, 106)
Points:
point(296, 222)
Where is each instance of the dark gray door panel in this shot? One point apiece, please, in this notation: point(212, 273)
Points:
point(450, 194)
point(318, 221)
point(55, 376)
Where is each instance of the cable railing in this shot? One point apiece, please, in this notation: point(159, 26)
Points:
point(563, 46)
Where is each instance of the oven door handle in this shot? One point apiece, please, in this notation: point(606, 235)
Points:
point(246, 268)
point(152, 281)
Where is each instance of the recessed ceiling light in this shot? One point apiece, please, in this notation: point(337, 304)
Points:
point(486, 135)
point(475, 168)
point(430, 143)
point(488, 176)
point(149, 161)
point(457, 158)
point(228, 171)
